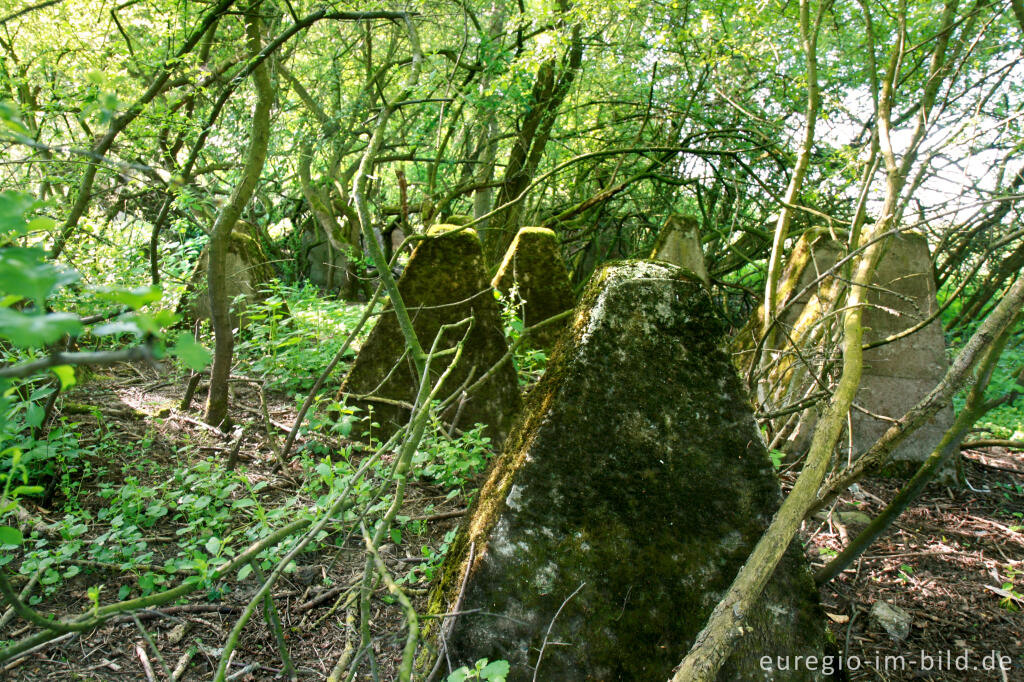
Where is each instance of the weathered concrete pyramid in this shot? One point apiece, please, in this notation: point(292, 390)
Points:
point(444, 282)
point(325, 266)
point(814, 255)
point(534, 265)
point(625, 501)
point(899, 374)
point(679, 244)
point(247, 268)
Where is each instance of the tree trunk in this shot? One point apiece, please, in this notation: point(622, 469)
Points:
point(217, 398)
point(549, 91)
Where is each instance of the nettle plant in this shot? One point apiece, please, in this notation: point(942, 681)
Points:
point(36, 343)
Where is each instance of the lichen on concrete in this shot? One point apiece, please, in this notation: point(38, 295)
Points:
point(637, 477)
point(535, 267)
point(444, 282)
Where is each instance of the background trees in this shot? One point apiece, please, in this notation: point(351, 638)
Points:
point(149, 128)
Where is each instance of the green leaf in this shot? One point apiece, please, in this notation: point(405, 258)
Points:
point(459, 675)
point(244, 571)
point(213, 545)
point(133, 298)
point(495, 670)
point(25, 331)
point(396, 536)
point(24, 273)
point(13, 206)
point(192, 353)
point(41, 223)
point(117, 327)
point(11, 536)
point(66, 374)
point(154, 322)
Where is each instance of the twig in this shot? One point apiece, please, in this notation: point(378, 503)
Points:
point(98, 358)
point(311, 396)
point(25, 592)
point(206, 427)
point(236, 447)
point(183, 662)
point(993, 443)
point(152, 645)
point(140, 651)
point(190, 391)
point(405, 669)
point(28, 652)
point(536, 668)
point(243, 672)
point(448, 625)
point(440, 517)
point(274, 623)
point(345, 660)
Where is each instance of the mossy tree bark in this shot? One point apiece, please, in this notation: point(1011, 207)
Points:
point(217, 398)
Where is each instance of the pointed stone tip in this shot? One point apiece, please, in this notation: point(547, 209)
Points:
point(544, 232)
point(646, 269)
point(443, 229)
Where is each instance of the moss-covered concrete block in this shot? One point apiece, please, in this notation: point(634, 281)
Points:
point(324, 265)
point(900, 374)
point(445, 281)
point(459, 219)
point(812, 257)
point(679, 244)
point(248, 271)
point(628, 496)
point(534, 265)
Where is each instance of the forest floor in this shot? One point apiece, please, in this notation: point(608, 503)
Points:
point(943, 563)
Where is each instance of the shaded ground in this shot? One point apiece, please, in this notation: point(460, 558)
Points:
point(939, 563)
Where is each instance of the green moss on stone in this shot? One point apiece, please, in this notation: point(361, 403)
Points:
point(459, 219)
point(533, 264)
point(444, 282)
point(637, 472)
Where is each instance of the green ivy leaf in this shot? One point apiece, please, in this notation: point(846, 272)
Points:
point(192, 353)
